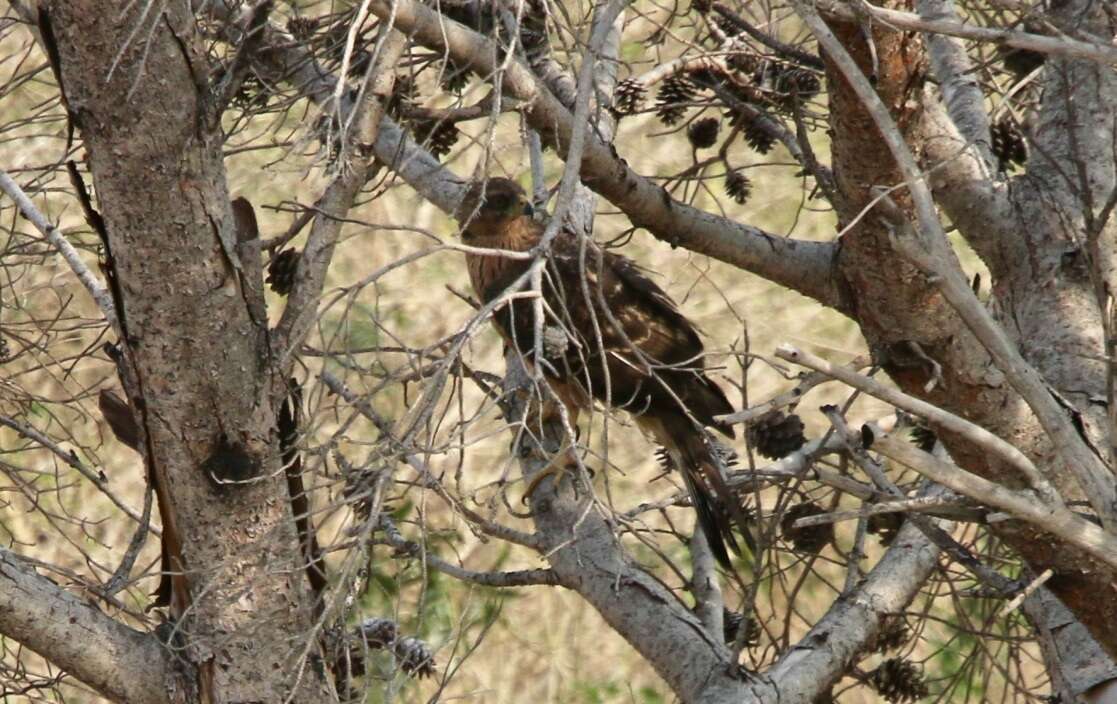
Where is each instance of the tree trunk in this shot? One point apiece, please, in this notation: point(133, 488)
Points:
point(138, 87)
point(1042, 294)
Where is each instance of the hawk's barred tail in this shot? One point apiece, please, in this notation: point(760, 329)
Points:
point(715, 504)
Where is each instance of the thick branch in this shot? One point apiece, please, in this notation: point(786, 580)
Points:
point(954, 71)
point(121, 663)
point(835, 641)
point(299, 315)
point(976, 203)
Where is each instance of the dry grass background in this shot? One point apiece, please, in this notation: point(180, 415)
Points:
point(545, 645)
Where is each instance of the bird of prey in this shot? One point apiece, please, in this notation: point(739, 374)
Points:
point(610, 334)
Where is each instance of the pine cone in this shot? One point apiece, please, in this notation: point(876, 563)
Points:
point(703, 133)
point(414, 656)
point(893, 634)
point(795, 82)
point(744, 62)
point(924, 438)
point(555, 342)
point(1008, 144)
point(732, 623)
point(775, 435)
point(1021, 62)
point(454, 79)
point(701, 6)
point(706, 76)
point(760, 139)
point(899, 681)
point(252, 94)
point(281, 271)
point(439, 136)
point(671, 99)
point(885, 526)
point(378, 632)
point(302, 28)
point(404, 94)
point(5, 351)
point(628, 96)
point(664, 460)
point(811, 539)
point(738, 186)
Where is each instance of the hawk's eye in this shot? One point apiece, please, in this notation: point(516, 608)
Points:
point(499, 202)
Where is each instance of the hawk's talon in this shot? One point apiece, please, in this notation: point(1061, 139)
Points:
point(553, 469)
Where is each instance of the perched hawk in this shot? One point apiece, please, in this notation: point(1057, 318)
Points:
point(611, 334)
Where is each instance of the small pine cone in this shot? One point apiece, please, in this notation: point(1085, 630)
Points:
point(893, 634)
point(701, 6)
point(885, 526)
point(924, 438)
point(1021, 62)
point(760, 139)
point(706, 77)
point(555, 342)
point(5, 351)
point(415, 658)
point(738, 186)
point(796, 82)
point(744, 62)
point(454, 79)
point(811, 539)
point(251, 94)
point(281, 271)
point(671, 99)
point(725, 454)
point(378, 632)
point(732, 621)
point(628, 97)
point(899, 681)
point(703, 133)
point(358, 491)
point(1008, 144)
point(302, 28)
point(404, 94)
point(775, 435)
point(439, 136)
point(664, 460)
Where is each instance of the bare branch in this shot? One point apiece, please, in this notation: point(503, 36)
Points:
point(948, 421)
point(353, 171)
point(907, 21)
point(1060, 522)
point(91, 283)
point(805, 672)
point(121, 663)
point(955, 73)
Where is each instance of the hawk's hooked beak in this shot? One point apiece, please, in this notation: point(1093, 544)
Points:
point(529, 210)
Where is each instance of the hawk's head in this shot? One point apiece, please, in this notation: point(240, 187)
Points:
point(491, 205)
